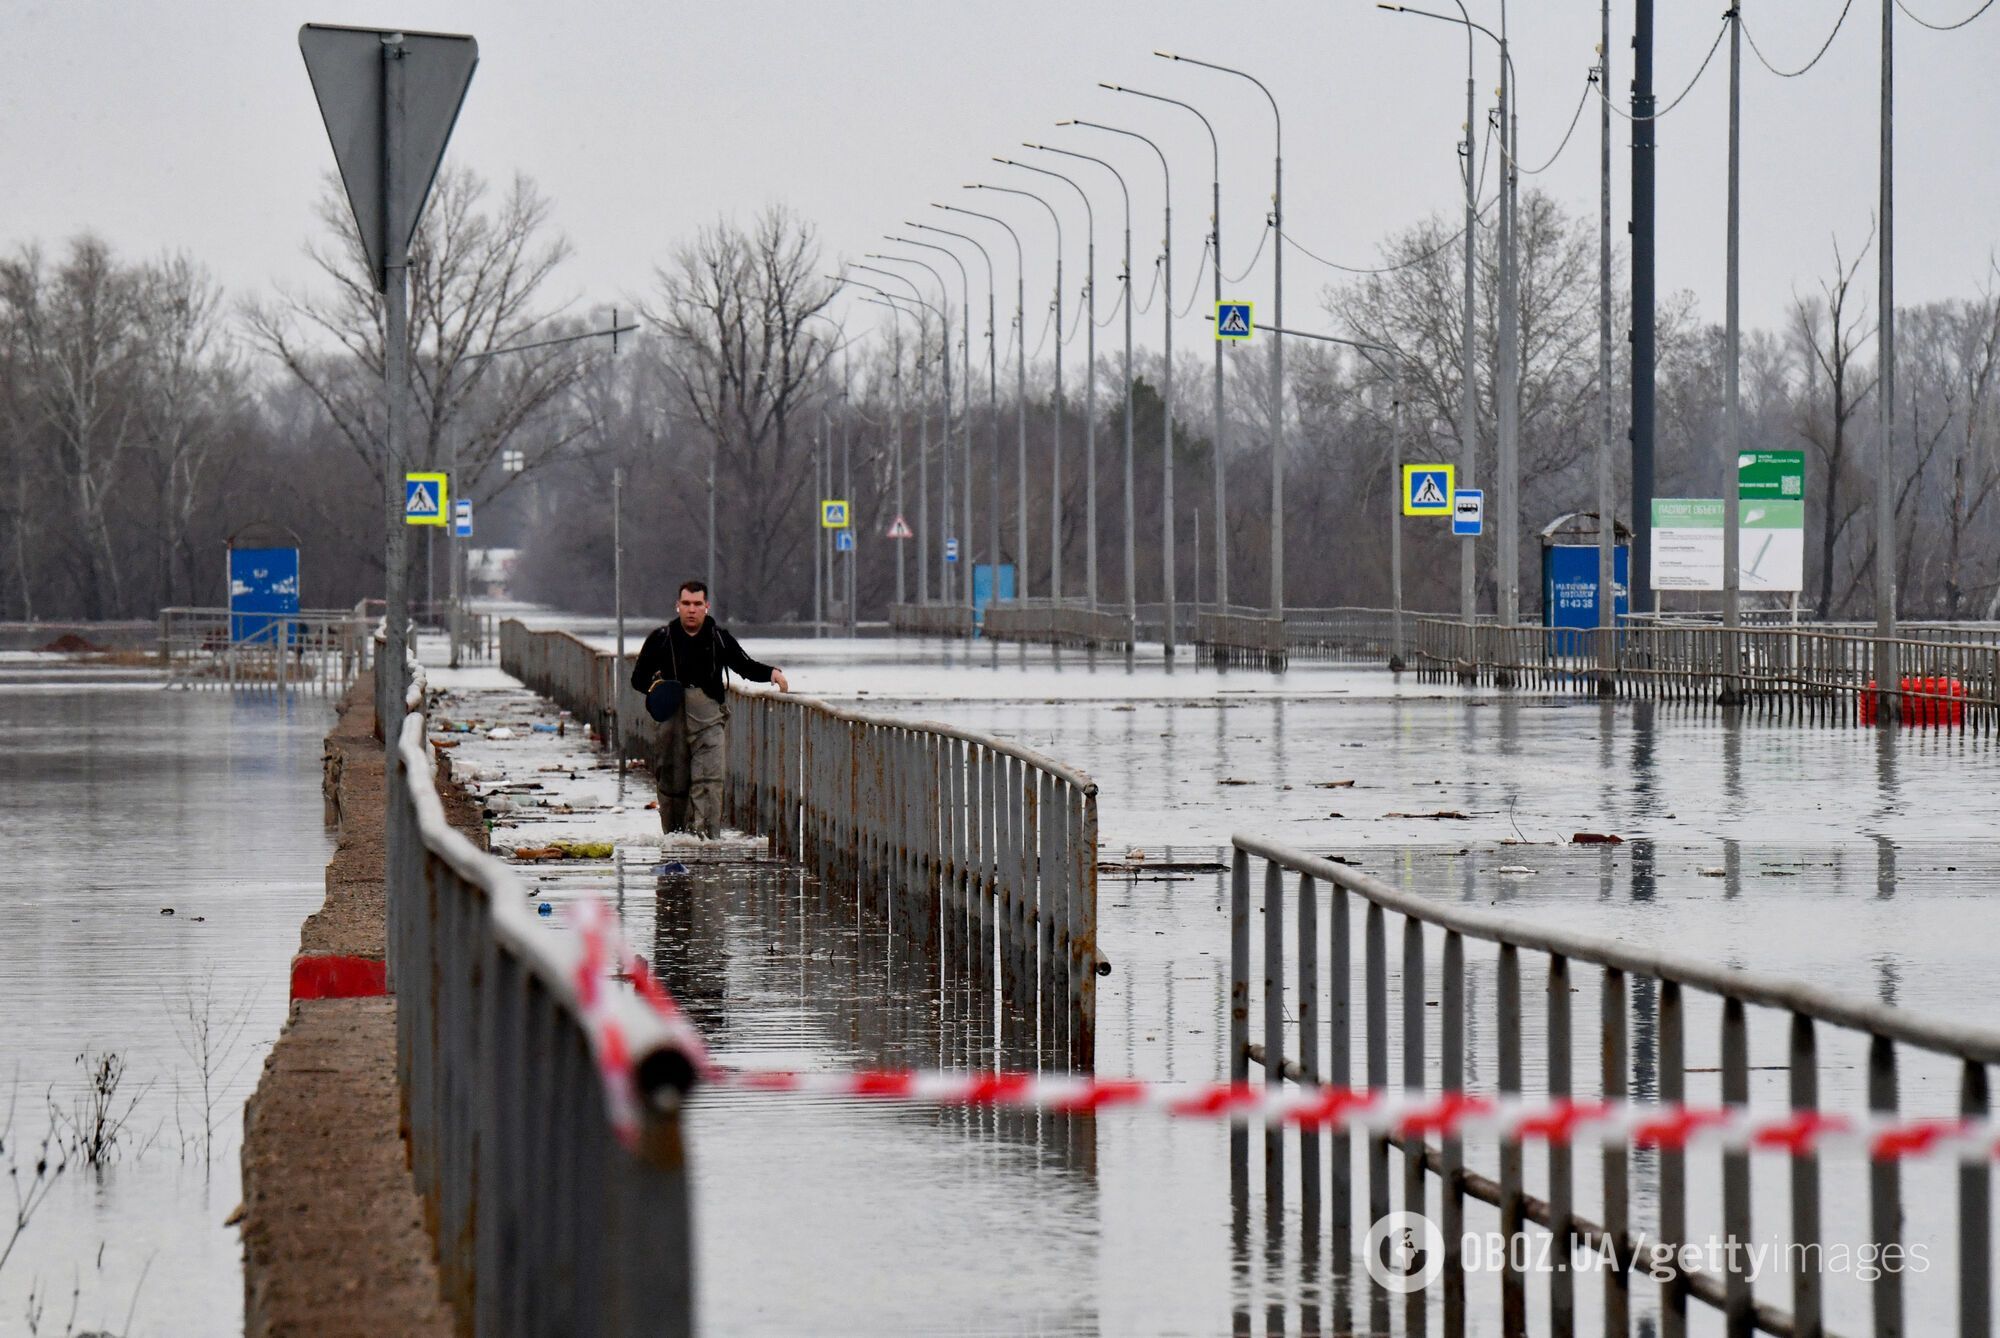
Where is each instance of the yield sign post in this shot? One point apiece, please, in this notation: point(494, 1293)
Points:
point(389, 100)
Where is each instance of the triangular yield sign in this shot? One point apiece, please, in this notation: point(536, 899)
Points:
point(901, 529)
point(348, 71)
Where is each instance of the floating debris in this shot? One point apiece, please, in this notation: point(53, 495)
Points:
point(1596, 839)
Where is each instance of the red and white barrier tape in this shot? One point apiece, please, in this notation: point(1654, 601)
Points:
point(1339, 1109)
point(1883, 1137)
point(597, 928)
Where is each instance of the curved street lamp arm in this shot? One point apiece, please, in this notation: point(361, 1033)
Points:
point(1214, 145)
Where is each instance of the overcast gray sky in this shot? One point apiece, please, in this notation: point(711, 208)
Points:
point(192, 125)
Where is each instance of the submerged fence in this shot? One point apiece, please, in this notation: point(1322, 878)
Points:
point(314, 650)
point(975, 850)
point(1648, 1040)
point(554, 1213)
point(953, 620)
point(1056, 623)
point(1946, 675)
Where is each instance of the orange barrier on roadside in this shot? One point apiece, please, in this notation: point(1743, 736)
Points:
point(1929, 702)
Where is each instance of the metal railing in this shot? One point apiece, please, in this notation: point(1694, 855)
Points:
point(930, 620)
point(1630, 981)
point(1056, 623)
point(1349, 633)
point(977, 851)
point(314, 650)
point(1241, 635)
point(546, 1220)
point(1947, 675)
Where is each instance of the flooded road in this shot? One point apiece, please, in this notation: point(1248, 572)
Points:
point(1866, 864)
point(119, 800)
point(1863, 863)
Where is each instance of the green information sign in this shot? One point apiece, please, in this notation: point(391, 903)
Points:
point(1772, 475)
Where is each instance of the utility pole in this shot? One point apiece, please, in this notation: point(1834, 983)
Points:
point(1507, 560)
point(1607, 506)
point(1468, 419)
point(1888, 677)
point(618, 594)
point(1732, 493)
point(1643, 345)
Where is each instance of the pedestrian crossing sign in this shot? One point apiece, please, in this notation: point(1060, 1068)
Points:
point(832, 514)
point(426, 499)
point(1233, 320)
point(901, 529)
point(1427, 490)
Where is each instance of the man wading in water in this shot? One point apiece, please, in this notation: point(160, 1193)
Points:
point(693, 651)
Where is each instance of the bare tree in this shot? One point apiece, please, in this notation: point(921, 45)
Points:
point(477, 281)
point(734, 306)
point(190, 387)
point(1829, 330)
point(77, 343)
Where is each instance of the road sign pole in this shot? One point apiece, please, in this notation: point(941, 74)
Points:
point(453, 550)
point(396, 377)
point(1396, 532)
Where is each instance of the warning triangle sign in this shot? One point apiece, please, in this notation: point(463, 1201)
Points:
point(1428, 493)
point(901, 529)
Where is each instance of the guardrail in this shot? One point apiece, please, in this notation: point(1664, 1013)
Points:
point(316, 650)
point(1350, 633)
point(1241, 636)
point(1626, 978)
point(549, 1218)
point(978, 851)
point(1052, 623)
point(1946, 675)
point(930, 620)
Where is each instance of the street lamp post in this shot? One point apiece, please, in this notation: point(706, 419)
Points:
point(1090, 379)
point(895, 380)
point(1167, 554)
point(964, 418)
point(1507, 385)
point(943, 312)
point(1131, 580)
point(1020, 409)
point(1277, 340)
point(993, 416)
point(1220, 542)
point(1056, 474)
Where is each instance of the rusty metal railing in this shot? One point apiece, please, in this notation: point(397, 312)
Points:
point(1644, 994)
point(313, 650)
point(1945, 676)
point(1056, 623)
point(952, 620)
point(546, 1219)
point(976, 850)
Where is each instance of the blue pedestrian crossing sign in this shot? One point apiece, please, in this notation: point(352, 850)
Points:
point(1427, 490)
point(832, 513)
point(843, 541)
point(426, 499)
point(951, 550)
point(1233, 320)
point(1468, 512)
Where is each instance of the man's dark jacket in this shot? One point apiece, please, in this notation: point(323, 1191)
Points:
point(696, 660)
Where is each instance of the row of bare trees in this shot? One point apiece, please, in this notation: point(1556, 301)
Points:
point(144, 418)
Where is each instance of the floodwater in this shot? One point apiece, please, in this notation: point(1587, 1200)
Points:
point(118, 800)
point(1860, 862)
